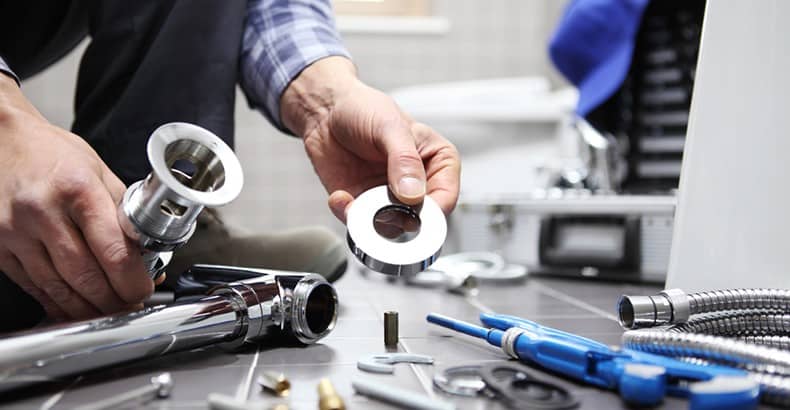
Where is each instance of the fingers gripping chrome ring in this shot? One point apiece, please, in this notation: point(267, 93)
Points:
point(392, 238)
point(191, 168)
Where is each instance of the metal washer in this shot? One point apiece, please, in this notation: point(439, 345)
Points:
point(446, 381)
point(387, 256)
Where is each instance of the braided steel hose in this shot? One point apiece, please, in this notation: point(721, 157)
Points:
point(739, 299)
point(779, 342)
point(711, 348)
point(773, 389)
point(744, 328)
point(737, 323)
point(768, 366)
point(674, 306)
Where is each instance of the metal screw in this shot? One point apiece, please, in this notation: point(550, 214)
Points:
point(160, 387)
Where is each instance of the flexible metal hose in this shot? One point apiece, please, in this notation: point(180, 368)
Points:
point(773, 389)
point(737, 323)
point(673, 306)
point(779, 342)
point(739, 299)
point(711, 348)
point(767, 365)
point(744, 328)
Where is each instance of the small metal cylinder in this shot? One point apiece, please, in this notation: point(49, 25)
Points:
point(328, 399)
point(391, 329)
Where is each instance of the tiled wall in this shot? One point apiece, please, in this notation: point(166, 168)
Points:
point(486, 39)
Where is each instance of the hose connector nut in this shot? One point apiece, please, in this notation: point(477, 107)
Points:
point(679, 302)
point(668, 307)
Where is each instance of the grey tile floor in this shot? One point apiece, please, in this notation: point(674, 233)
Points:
point(582, 307)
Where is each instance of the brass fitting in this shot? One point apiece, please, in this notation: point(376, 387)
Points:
point(328, 399)
point(275, 383)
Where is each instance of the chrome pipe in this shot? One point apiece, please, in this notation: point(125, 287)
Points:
point(300, 305)
point(600, 155)
point(191, 168)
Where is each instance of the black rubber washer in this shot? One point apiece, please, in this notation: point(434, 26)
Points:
point(521, 389)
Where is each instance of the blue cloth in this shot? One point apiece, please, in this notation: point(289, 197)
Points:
point(282, 38)
point(593, 45)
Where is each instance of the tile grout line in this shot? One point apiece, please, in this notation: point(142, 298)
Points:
point(476, 303)
point(52, 401)
point(574, 301)
point(243, 392)
point(421, 377)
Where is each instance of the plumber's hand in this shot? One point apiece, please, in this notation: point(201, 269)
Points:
point(357, 138)
point(60, 240)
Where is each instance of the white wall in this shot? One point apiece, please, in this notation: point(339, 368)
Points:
point(732, 223)
point(496, 38)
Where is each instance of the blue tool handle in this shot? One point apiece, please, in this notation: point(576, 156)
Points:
point(641, 378)
point(680, 370)
point(504, 322)
point(457, 325)
point(562, 356)
point(493, 336)
point(725, 393)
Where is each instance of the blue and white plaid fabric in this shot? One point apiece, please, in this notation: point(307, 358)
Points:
point(281, 38)
point(5, 70)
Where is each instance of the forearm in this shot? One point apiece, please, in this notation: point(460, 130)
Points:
point(281, 39)
point(12, 101)
point(312, 94)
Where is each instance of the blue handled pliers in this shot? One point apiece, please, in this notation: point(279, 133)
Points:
point(641, 378)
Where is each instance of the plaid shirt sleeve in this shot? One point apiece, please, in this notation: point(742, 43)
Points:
point(7, 71)
point(282, 38)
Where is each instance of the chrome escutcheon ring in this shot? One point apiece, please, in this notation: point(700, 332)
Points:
point(393, 238)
